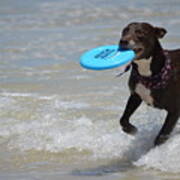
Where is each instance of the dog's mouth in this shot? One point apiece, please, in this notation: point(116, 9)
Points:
point(138, 51)
point(137, 48)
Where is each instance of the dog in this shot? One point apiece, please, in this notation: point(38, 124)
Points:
point(154, 78)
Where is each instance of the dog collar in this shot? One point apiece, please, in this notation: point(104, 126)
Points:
point(159, 80)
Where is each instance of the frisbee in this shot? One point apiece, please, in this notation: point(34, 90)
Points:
point(106, 57)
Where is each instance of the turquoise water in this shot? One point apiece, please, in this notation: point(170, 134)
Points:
point(60, 121)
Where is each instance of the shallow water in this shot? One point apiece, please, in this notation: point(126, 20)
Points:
point(60, 121)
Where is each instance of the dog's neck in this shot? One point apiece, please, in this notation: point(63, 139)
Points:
point(153, 64)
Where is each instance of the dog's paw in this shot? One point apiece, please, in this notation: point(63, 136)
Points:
point(130, 129)
point(160, 140)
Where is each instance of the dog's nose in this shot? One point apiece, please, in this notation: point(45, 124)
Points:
point(123, 42)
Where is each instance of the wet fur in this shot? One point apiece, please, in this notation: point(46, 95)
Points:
point(167, 98)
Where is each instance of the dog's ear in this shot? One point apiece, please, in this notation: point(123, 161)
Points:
point(159, 32)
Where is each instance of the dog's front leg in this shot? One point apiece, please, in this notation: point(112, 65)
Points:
point(167, 128)
point(132, 104)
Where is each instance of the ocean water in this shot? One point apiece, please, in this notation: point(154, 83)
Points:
point(60, 121)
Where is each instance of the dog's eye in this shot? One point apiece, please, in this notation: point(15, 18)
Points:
point(125, 30)
point(139, 34)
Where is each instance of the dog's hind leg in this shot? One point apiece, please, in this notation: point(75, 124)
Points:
point(132, 104)
point(167, 128)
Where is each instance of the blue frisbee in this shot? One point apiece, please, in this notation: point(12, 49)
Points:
point(106, 57)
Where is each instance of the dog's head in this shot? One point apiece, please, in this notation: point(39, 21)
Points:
point(142, 38)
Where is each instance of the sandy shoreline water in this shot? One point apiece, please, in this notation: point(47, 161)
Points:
point(60, 121)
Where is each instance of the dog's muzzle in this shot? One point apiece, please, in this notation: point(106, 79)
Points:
point(123, 44)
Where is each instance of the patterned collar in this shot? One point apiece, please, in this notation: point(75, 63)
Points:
point(159, 80)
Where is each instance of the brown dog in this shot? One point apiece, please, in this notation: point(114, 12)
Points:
point(155, 76)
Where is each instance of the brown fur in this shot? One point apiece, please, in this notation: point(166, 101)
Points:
point(143, 38)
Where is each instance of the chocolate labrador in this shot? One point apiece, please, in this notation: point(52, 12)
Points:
point(154, 78)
